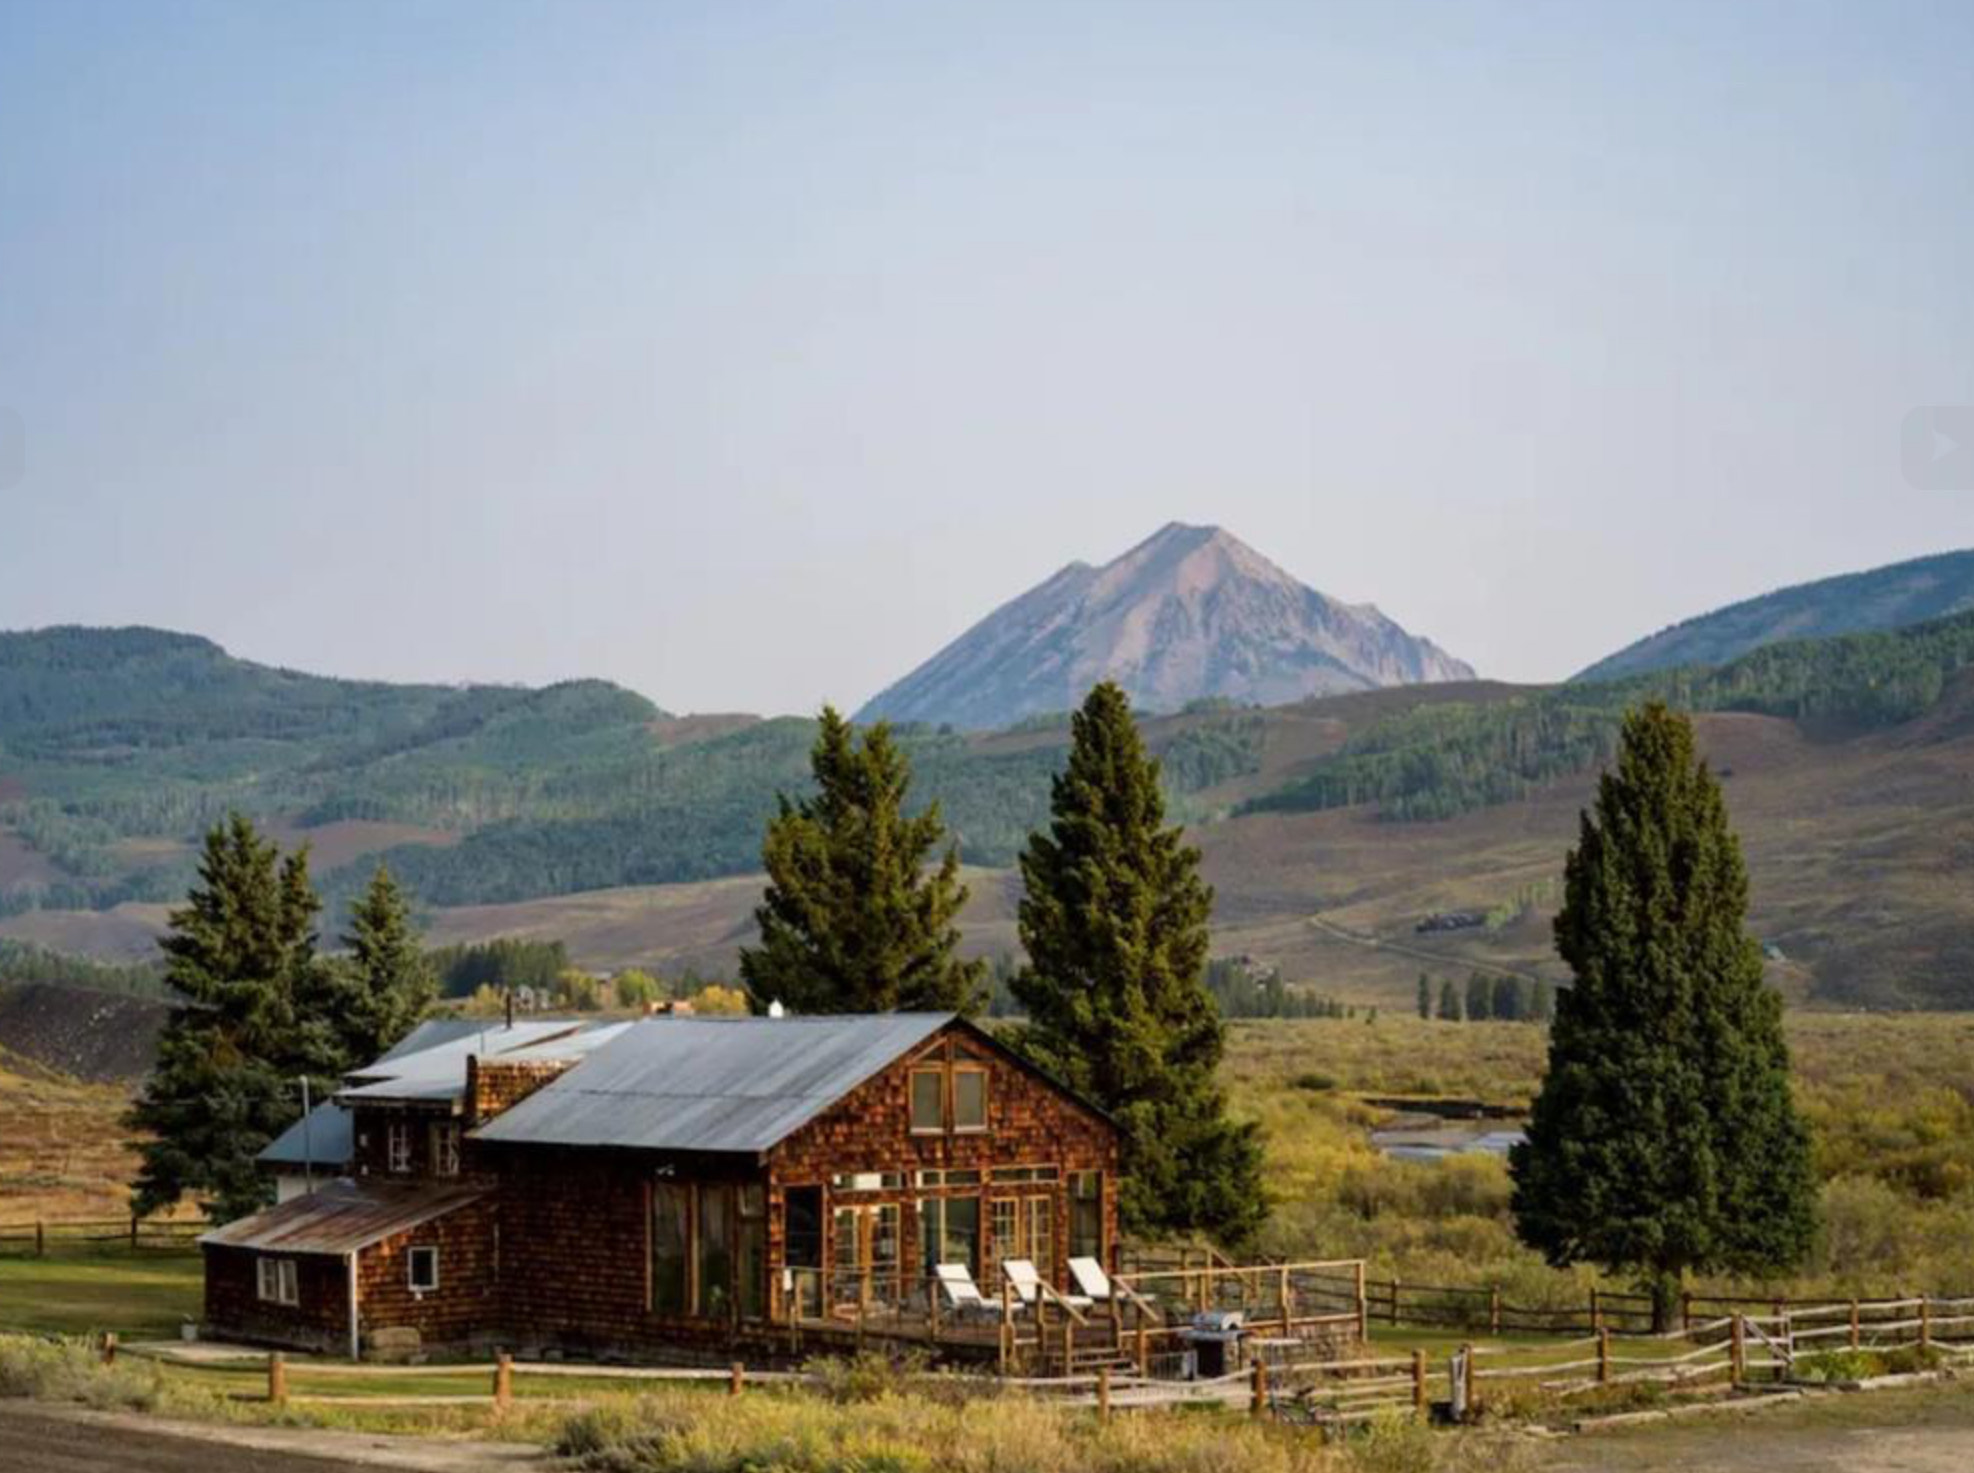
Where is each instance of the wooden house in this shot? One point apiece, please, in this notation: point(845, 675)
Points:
point(678, 1185)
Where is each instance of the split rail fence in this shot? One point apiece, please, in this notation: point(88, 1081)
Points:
point(40, 1238)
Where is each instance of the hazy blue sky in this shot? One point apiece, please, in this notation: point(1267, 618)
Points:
point(747, 352)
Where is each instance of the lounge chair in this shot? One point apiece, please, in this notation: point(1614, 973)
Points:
point(1028, 1285)
point(1092, 1282)
point(962, 1294)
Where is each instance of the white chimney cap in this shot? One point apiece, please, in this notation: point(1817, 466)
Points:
point(775, 1009)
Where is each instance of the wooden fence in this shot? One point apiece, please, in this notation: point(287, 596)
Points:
point(40, 1238)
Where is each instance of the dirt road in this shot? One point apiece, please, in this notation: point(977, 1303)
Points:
point(39, 1439)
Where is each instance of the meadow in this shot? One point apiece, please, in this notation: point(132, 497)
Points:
point(1890, 1099)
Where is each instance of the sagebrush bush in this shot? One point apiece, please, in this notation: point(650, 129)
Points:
point(72, 1370)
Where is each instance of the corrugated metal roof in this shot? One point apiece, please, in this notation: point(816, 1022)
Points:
point(344, 1216)
point(326, 1143)
point(439, 1072)
point(430, 1034)
point(711, 1084)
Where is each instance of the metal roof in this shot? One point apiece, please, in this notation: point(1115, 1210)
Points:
point(711, 1084)
point(343, 1217)
point(326, 1142)
point(439, 1072)
point(430, 1034)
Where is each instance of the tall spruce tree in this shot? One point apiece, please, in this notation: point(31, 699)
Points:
point(1114, 920)
point(1664, 1140)
point(238, 956)
point(386, 983)
point(857, 917)
point(1449, 1001)
point(1425, 996)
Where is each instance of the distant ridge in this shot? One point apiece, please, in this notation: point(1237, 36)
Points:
point(1850, 603)
point(1189, 613)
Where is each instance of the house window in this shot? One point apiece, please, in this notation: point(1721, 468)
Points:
point(928, 1100)
point(671, 1227)
point(751, 1240)
point(969, 1099)
point(397, 1146)
point(1026, 1173)
point(867, 1181)
point(949, 1231)
point(422, 1270)
point(715, 1278)
point(278, 1281)
point(956, 1178)
point(1086, 1215)
point(445, 1149)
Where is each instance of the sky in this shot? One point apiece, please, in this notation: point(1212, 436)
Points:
point(746, 353)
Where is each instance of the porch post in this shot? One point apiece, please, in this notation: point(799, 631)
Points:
point(356, 1335)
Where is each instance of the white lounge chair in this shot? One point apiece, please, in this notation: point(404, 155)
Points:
point(1091, 1280)
point(1028, 1285)
point(962, 1294)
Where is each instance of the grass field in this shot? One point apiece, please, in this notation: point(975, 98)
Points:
point(143, 1295)
point(62, 1149)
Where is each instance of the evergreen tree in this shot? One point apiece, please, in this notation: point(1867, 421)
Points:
point(1425, 996)
point(388, 983)
point(226, 1080)
point(1664, 1139)
point(1114, 920)
point(1505, 1001)
point(1449, 1001)
point(1542, 1002)
point(856, 919)
point(1480, 997)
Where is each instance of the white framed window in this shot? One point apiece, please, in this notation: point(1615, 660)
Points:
point(278, 1281)
point(445, 1149)
point(422, 1270)
point(397, 1146)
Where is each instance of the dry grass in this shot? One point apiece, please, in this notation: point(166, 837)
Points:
point(62, 1148)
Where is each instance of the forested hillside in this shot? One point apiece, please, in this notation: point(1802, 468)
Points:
point(1436, 761)
point(118, 746)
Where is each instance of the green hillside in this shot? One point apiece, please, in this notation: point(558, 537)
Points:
point(1440, 760)
point(1882, 598)
point(118, 746)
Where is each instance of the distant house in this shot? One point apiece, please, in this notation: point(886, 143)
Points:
point(680, 1184)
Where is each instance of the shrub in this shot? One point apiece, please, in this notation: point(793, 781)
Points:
point(1838, 1365)
point(1315, 1083)
point(70, 1370)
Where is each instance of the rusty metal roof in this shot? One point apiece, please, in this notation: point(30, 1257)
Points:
point(344, 1216)
point(438, 1073)
point(711, 1084)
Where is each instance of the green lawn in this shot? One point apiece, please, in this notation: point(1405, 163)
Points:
point(141, 1295)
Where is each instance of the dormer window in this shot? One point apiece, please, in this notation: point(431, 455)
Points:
point(397, 1146)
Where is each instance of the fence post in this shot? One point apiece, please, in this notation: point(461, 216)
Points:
point(1363, 1308)
point(109, 1347)
point(1925, 1322)
point(736, 1379)
point(1068, 1346)
point(1394, 1303)
point(1144, 1346)
point(1419, 1383)
point(1596, 1314)
point(1603, 1355)
point(277, 1378)
point(1856, 1339)
point(1288, 1304)
point(1686, 1309)
point(1467, 1379)
point(133, 1232)
point(40, 1239)
point(1494, 1309)
point(1258, 1379)
point(1103, 1393)
point(503, 1381)
point(1737, 1353)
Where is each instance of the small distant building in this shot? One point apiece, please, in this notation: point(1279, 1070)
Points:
point(676, 1186)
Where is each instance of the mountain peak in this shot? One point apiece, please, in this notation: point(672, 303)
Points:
point(1191, 611)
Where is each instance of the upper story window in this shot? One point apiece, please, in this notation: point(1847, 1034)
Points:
point(397, 1145)
point(946, 1099)
point(445, 1149)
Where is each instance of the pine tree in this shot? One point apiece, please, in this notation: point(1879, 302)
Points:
point(226, 1081)
point(1425, 996)
point(1449, 1001)
point(1664, 1140)
point(388, 981)
point(1506, 998)
point(1542, 1002)
point(1480, 997)
point(1114, 920)
point(856, 918)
